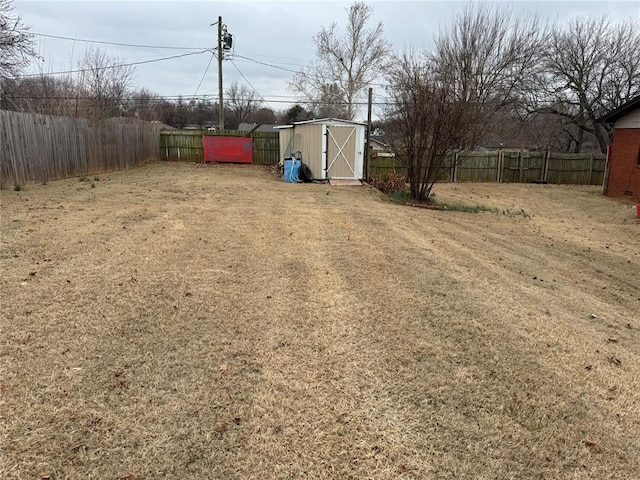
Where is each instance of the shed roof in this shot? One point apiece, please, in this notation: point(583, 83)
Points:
point(621, 111)
point(328, 120)
point(263, 127)
point(320, 121)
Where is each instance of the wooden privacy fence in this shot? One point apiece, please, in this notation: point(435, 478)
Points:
point(186, 145)
point(517, 166)
point(39, 148)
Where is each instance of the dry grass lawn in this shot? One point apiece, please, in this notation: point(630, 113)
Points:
point(181, 321)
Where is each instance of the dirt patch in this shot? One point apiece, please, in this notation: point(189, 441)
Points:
point(215, 322)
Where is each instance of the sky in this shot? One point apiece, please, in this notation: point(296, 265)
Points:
point(272, 39)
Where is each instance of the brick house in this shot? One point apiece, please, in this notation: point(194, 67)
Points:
point(622, 178)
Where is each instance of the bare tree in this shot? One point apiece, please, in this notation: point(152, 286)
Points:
point(489, 54)
point(144, 105)
point(241, 101)
point(104, 84)
point(347, 64)
point(297, 113)
point(591, 66)
point(425, 122)
point(43, 94)
point(262, 115)
point(445, 101)
point(16, 44)
point(331, 102)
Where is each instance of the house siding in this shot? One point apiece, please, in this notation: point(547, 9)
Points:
point(624, 170)
point(630, 120)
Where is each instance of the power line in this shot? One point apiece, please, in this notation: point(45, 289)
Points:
point(112, 66)
point(250, 84)
point(204, 75)
point(160, 98)
point(268, 64)
point(298, 72)
point(84, 40)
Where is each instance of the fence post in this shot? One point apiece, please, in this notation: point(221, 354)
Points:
point(545, 173)
point(500, 166)
point(454, 177)
point(452, 173)
point(520, 166)
point(590, 179)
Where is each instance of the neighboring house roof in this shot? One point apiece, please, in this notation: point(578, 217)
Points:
point(377, 144)
point(621, 111)
point(265, 127)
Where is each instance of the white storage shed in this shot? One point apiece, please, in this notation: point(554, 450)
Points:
point(332, 148)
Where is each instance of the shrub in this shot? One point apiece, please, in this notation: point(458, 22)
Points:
point(392, 182)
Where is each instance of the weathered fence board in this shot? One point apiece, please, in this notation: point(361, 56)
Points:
point(509, 166)
point(39, 148)
point(186, 145)
point(576, 168)
point(476, 167)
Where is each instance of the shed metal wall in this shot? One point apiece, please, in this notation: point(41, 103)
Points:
point(308, 139)
point(286, 142)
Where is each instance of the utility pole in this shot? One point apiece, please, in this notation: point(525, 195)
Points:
point(220, 99)
point(367, 146)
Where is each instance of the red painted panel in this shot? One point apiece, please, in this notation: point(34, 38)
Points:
point(227, 149)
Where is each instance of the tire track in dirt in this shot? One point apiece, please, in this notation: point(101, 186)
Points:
point(302, 330)
point(509, 339)
point(311, 413)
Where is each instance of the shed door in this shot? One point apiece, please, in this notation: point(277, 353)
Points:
point(343, 158)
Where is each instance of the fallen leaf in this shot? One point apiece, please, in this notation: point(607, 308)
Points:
point(224, 367)
point(612, 340)
point(588, 367)
point(221, 427)
point(614, 360)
